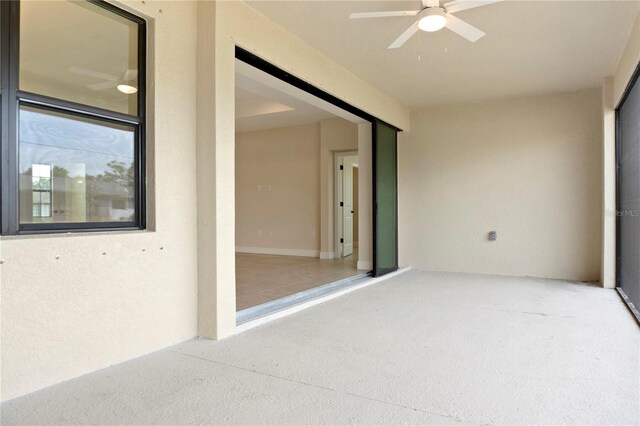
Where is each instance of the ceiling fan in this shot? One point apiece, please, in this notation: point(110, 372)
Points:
point(124, 84)
point(434, 17)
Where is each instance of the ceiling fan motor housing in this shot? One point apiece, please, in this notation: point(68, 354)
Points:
point(432, 19)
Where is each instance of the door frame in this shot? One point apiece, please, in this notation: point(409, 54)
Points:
point(267, 67)
point(336, 206)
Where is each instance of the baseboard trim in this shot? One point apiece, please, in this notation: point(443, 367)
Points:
point(278, 251)
point(327, 255)
point(364, 264)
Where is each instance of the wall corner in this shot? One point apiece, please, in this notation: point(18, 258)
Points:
point(608, 254)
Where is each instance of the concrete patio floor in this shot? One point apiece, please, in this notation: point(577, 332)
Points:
point(418, 348)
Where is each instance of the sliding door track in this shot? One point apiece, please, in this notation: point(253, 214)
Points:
point(267, 308)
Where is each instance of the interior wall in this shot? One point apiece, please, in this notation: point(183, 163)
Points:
point(336, 135)
point(278, 191)
point(528, 168)
point(75, 303)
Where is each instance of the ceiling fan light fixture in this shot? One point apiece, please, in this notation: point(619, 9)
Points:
point(434, 20)
point(126, 89)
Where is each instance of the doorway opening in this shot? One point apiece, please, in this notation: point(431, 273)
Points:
point(305, 192)
point(346, 205)
point(289, 240)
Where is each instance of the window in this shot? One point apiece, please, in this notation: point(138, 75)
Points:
point(72, 116)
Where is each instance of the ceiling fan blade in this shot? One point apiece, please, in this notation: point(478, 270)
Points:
point(404, 36)
point(91, 73)
point(102, 86)
point(361, 15)
point(130, 75)
point(460, 5)
point(463, 29)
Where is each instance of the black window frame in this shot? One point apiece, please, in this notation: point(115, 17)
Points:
point(12, 98)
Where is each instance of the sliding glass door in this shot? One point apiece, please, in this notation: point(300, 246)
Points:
point(385, 199)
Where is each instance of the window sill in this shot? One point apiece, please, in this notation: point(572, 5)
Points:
point(68, 234)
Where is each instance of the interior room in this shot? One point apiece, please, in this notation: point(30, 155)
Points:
point(297, 193)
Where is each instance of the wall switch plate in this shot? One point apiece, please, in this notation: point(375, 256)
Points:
point(493, 235)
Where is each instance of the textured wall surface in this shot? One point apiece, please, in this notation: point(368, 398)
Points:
point(528, 168)
point(86, 310)
point(628, 63)
point(65, 317)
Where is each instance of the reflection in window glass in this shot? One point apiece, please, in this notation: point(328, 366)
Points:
point(80, 52)
point(75, 170)
point(41, 187)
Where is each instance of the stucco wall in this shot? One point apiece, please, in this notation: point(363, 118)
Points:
point(65, 317)
point(628, 63)
point(278, 191)
point(528, 168)
point(223, 26)
point(86, 310)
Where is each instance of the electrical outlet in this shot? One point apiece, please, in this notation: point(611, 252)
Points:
point(270, 234)
point(259, 232)
point(493, 236)
point(259, 188)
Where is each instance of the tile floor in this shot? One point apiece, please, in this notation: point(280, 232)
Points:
point(261, 278)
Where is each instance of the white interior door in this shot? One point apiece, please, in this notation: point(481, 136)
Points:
point(347, 207)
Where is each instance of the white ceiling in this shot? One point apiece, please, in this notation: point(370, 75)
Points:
point(258, 109)
point(265, 102)
point(531, 47)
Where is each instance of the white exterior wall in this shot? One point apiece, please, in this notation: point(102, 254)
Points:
point(528, 168)
point(65, 317)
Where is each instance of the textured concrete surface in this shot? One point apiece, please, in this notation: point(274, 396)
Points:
point(419, 348)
